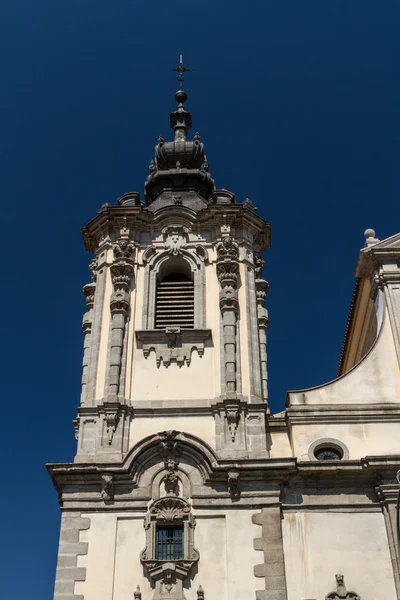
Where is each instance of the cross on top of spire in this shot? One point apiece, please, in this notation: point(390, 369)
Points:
point(180, 70)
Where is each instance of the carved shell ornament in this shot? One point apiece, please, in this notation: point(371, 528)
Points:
point(170, 508)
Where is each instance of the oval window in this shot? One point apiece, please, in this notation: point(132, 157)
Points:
point(328, 453)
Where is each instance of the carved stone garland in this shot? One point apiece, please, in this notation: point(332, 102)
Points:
point(89, 292)
point(121, 272)
point(262, 287)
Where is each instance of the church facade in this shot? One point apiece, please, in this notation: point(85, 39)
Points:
point(183, 484)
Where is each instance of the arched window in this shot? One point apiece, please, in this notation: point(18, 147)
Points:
point(175, 295)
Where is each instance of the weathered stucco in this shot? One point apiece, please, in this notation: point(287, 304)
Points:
point(319, 545)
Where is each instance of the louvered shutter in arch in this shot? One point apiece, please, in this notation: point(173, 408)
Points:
point(175, 302)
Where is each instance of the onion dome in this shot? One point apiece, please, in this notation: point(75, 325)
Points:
point(180, 165)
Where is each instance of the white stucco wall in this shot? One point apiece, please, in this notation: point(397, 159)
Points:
point(319, 545)
point(203, 427)
point(361, 439)
point(223, 538)
point(280, 445)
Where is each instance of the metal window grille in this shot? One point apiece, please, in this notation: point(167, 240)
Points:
point(175, 302)
point(169, 543)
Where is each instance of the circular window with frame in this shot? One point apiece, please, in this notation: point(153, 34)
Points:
point(328, 449)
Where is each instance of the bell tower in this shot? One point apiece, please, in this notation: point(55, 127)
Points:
point(174, 382)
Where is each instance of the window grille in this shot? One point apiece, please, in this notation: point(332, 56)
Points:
point(175, 302)
point(169, 543)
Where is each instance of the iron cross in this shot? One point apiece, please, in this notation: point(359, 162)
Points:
point(180, 70)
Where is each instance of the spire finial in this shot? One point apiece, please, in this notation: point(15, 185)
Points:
point(180, 70)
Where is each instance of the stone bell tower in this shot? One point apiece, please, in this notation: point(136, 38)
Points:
point(174, 374)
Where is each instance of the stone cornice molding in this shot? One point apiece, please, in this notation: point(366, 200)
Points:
point(342, 413)
point(136, 218)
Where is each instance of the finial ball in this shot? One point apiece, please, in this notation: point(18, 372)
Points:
point(181, 96)
point(369, 233)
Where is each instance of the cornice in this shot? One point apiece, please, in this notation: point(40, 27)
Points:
point(343, 413)
point(138, 217)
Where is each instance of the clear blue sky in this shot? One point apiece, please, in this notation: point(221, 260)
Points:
point(298, 105)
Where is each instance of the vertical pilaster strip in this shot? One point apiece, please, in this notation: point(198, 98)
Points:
point(121, 272)
point(253, 334)
point(271, 543)
point(89, 293)
point(387, 495)
point(262, 287)
point(227, 271)
point(96, 329)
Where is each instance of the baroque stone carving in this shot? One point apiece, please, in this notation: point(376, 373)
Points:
point(175, 238)
point(202, 253)
point(169, 575)
point(232, 412)
point(234, 483)
point(111, 419)
point(148, 254)
point(169, 449)
point(107, 487)
point(341, 593)
point(173, 344)
point(170, 509)
point(137, 594)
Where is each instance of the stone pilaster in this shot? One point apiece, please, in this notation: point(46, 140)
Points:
point(89, 293)
point(387, 278)
point(228, 273)
point(388, 497)
point(121, 272)
point(262, 287)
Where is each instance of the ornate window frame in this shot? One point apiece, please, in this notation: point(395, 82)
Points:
point(175, 239)
point(173, 344)
point(168, 575)
point(333, 443)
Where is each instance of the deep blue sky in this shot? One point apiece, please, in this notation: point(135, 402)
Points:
point(298, 105)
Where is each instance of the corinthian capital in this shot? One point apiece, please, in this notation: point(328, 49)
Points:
point(227, 248)
point(124, 250)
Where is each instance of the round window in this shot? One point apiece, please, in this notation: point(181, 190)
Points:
point(328, 453)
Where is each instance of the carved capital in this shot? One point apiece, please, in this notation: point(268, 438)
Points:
point(89, 291)
point(124, 249)
point(93, 269)
point(258, 265)
point(262, 288)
